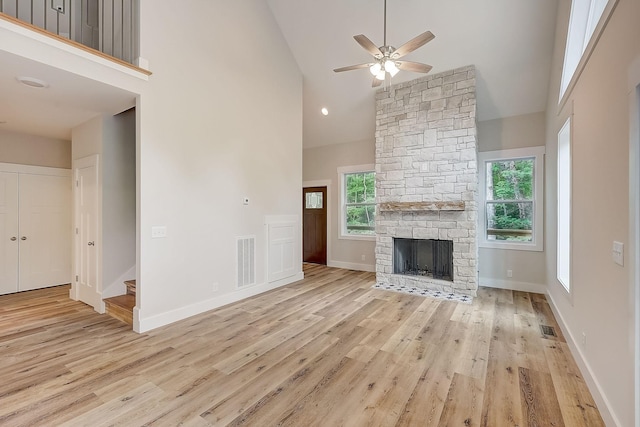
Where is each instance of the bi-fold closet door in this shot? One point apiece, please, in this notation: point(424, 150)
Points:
point(35, 230)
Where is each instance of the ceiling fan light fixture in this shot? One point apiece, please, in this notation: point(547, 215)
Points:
point(381, 74)
point(375, 68)
point(391, 67)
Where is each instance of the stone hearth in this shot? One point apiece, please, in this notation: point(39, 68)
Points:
point(426, 174)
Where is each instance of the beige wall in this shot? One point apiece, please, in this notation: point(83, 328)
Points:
point(528, 267)
point(598, 305)
point(322, 163)
point(32, 150)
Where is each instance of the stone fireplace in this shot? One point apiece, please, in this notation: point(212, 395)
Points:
point(426, 182)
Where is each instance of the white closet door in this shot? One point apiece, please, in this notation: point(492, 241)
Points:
point(45, 231)
point(8, 232)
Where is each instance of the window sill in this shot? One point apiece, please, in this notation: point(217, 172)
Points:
point(370, 238)
point(511, 246)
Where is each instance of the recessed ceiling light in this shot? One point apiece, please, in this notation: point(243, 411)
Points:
point(32, 82)
point(324, 111)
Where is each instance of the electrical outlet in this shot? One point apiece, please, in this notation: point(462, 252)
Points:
point(158, 231)
point(509, 273)
point(584, 339)
point(215, 287)
point(363, 257)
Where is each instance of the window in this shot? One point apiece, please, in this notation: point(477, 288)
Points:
point(358, 194)
point(511, 195)
point(587, 18)
point(564, 205)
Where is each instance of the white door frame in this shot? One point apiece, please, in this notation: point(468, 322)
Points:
point(74, 293)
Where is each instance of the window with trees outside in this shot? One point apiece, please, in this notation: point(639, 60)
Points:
point(511, 194)
point(358, 191)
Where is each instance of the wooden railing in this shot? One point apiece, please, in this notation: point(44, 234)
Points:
point(109, 26)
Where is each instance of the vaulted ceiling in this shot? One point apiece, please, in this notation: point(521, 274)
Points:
point(510, 43)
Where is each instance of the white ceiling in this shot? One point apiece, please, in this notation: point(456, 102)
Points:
point(509, 41)
point(53, 111)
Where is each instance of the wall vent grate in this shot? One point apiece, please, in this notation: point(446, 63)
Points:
point(246, 261)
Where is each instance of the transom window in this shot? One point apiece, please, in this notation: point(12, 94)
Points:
point(511, 192)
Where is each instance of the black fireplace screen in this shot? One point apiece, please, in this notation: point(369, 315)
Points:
point(419, 257)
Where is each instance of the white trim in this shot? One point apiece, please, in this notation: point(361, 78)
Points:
point(321, 183)
point(34, 170)
point(537, 153)
point(144, 324)
point(536, 288)
point(352, 266)
point(634, 223)
point(603, 404)
point(586, 54)
point(342, 170)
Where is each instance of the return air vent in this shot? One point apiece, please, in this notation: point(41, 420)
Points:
point(246, 261)
point(548, 330)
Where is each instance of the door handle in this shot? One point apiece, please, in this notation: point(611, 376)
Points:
point(23, 238)
point(91, 244)
point(14, 238)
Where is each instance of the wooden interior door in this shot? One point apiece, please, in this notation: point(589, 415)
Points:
point(314, 209)
point(9, 242)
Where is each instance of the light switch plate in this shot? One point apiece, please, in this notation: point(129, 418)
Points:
point(158, 231)
point(617, 253)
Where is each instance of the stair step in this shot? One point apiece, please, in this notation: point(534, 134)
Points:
point(131, 287)
point(121, 307)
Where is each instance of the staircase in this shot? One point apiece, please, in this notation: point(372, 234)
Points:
point(121, 307)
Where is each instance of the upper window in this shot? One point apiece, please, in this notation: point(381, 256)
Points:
point(358, 195)
point(511, 195)
point(586, 16)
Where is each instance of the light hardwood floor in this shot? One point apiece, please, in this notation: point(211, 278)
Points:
point(326, 351)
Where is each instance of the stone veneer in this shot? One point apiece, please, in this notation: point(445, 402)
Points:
point(426, 151)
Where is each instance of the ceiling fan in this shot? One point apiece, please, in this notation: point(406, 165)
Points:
point(386, 58)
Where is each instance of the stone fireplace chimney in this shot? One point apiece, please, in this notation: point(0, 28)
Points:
point(426, 175)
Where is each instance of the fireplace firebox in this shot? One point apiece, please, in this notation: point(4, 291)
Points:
point(423, 257)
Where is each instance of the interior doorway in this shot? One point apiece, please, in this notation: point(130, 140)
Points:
point(314, 225)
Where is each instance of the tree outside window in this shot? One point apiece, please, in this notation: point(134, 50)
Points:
point(360, 203)
point(509, 201)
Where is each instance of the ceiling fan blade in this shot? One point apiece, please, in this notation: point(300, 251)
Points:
point(376, 82)
point(368, 45)
point(413, 44)
point(416, 67)
point(352, 67)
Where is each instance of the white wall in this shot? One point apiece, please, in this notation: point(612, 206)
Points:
point(33, 150)
point(321, 164)
point(599, 302)
point(118, 200)
point(528, 267)
point(220, 119)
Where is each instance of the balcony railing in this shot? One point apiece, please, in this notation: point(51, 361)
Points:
point(109, 26)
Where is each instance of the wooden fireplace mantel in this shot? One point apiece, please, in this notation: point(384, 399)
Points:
point(422, 206)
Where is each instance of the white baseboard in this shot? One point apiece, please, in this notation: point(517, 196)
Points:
point(352, 266)
point(592, 383)
point(144, 324)
point(513, 285)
